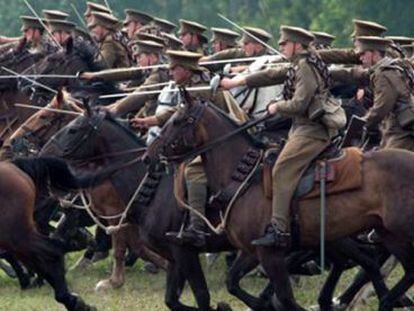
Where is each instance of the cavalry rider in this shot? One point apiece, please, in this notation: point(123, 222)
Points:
point(307, 78)
point(192, 35)
point(147, 53)
point(135, 21)
point(223, 39)
point(185, 71)
point(392, 83)
point(112, 54)
point(61, 30)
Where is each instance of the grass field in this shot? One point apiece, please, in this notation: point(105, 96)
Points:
point(144, 292)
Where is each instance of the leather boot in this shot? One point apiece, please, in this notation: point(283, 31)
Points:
point(194, 234)
point(273, 237)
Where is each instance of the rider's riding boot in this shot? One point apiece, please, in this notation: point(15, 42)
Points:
point(195, 234)
point(273, 237)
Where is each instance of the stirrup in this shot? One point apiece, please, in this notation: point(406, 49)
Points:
point(273, 237)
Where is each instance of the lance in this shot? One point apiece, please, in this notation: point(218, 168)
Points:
point(252, 36)
point(43, 24)
point(190, 89)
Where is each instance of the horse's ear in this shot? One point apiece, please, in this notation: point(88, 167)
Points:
point(69, 46)
point(59, 99)
point(185, 95)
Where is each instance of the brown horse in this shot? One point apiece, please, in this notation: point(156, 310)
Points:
point(90, 141)
point(383, 201)
point(20, 183)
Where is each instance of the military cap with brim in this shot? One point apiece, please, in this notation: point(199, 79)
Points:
point(105, 20)
point(259, 33)
point(55, 14)
point(31, 22)
point(193, 28)
point(367, 28)
point(401, 40)
point(188, 60)
point(164, 25)
point(60, 25)
point(408, 50)
point(295, 34)
point(96, 7)
point(149, 37)
point(323, 38)
point(172, 41)
point(372, 43)
point(144, 46)
point(137, 16)
point(225, 35)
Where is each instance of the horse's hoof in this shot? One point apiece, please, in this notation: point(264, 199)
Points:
point(82, 264)
point(149, 267)
point(222, 306)
point(98, 256)
point(104, 286)
point(314, 308)
point(82, 306)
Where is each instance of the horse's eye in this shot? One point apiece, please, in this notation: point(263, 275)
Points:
point(176, 122)
point(72, 131)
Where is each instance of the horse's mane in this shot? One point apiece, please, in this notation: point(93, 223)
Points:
point(125, 129)
point(250, 138)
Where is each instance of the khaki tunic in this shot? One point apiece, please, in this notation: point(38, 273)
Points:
point(194, 172)
point(390, 86)
point(147, 103)
point(232, 53)
point(307, 139)
point(112, 54)
point(120, 74)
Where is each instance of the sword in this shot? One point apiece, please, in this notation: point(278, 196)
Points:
point(190, 89)
point(39, 76)
point(49, 109)
point(36, 83)
point(252, 36)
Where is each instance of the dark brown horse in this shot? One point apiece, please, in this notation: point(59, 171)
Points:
point(92, 141)
point(383, 202)
point(20, 183)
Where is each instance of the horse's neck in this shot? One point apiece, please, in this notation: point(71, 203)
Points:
point(221, 161)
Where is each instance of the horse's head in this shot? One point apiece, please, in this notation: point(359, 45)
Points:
point(77, 140)
point(183, 133)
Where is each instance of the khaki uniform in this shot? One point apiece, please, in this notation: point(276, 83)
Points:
point(232, 53)
point(391, 87)
point(112, 54)
point(144, 103)
point(267, 77)
point(307, 139)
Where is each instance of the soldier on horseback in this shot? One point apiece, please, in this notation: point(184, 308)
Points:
point(307, 80)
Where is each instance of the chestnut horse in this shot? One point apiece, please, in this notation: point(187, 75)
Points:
point(383, 201)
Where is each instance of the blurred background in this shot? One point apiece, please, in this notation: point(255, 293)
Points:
point(333, 16)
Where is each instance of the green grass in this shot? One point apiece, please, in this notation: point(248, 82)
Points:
point(145, 292)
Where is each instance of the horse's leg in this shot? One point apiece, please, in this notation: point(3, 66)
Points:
point(243, 264)
point(404, 252)
point(190, 267)
point(174, 287)
point(39, 252)
point(139, 249)
point(117, 279)
point(361, 279)
point(22, 276)
point(273, 261)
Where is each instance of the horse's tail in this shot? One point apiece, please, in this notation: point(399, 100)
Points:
point(55, 173)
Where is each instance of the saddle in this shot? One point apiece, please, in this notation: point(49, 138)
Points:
point(343, 173)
